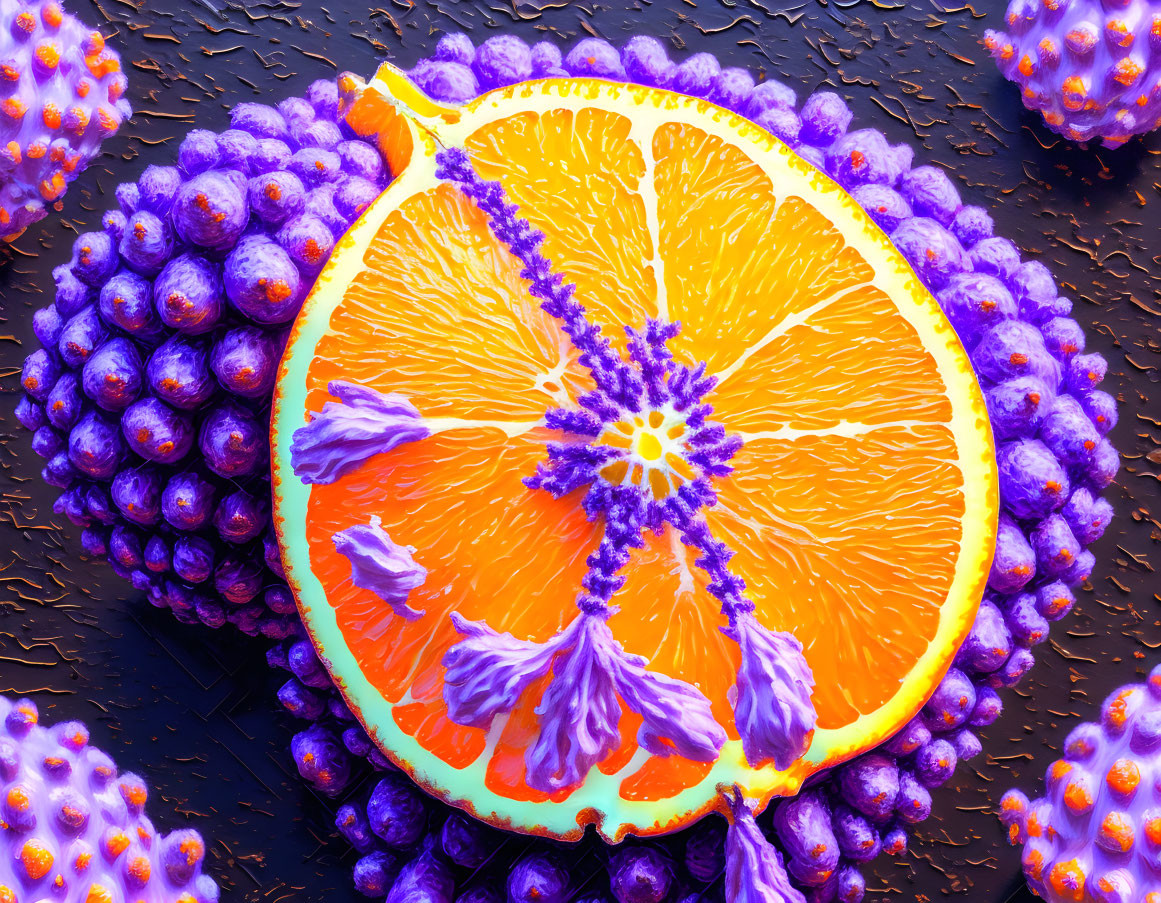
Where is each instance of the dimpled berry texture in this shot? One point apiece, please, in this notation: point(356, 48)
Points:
point(1096, 832)
point(76, 830)
point(1091, 68)
point(150, 397)
point(1010, 317)
point(61, 94)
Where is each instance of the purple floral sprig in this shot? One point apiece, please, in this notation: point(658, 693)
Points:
point(773, 709)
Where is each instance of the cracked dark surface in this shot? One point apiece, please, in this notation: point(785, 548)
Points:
point(194, 710)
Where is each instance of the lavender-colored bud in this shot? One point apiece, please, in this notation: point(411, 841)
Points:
point(997, 257)
point(345, 433)
point(931, 193)
point(46, 326)
point(825, 116)
point(538, 878)
point(1017, 665)
point(272, 556)
point(47, 442)
point(158, 558)
point(276, 196)
point(502, 60)
point(931, 250)
point(1055, 546)
point(987, 708)
point(375, 873)
point(1068, 433)
point(353, 195)
point(59, 471)
point(156, 431)
point(895, 841)
point(112, 376)
point(188, 294)
point(236, 148)
point(271, 154)
point(466, 842)
point(306, 665)
point(1013, 348)
point(951, 703)
point(972, 225)
point(137, 494)
point(456, 48)
point(320, 133)
point(1087, 516)
point(308, 240)
point(594, 58)
point(300, 701)
point(1018, 406)
point(262, 282)
point(1014, 561)
point(1027, 626)
point(357, 742)
point(1105, 463)
point(696, 75)
point(233, 442)
point(31, 415)
point(298, 113)
point(640, 875)
point(72, 295)
point(644, 58)
point(1081, 569)
point(935, 762)
point(188, 501)
point(425, 879)
point(147, 243)
point(99, 504)
point(754, 870)
point(321, 760)
point(913, 803)
point(396, 812)
point(95, 446)
point(1063, 337)
point(732, 89)
point(209, 211)
point(238, 581)
point(849, 884)
point(773, 710)
point(1035, 290)
point(862, 158)
point(1054, 600)
point(125, 547)
point(1101, 408)
point(198, 152)
point(94, 258)
point(280, 600)
point(126, 301)
point(871, 784)
point(352, 824)
point(381, 565)
point(909, 738)
point(360, 160)
point(446, 81)
point(705, 850)
point(320, 202)
point(315, 166)
point(976, 302)
point(885, 206)
point(71, 504)
point(966, 744)
point(193, 559)
point(1085, 372)
point(178, 374)
point(157, 186)
point(83, 334)
point(485, 893)
point(804, 827)
point(241, 516)
point(988, 645)
point(857, 838)
point(1033, 484)
point(245, 360)
point(782, 124)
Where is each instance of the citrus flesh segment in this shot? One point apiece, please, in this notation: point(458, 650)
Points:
point(862, 505)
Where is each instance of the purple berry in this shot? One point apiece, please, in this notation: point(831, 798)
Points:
point(65, 401)
point(137, 495)
point(374, 874)
point(308, 241)
point(1032, 482)
point(126, 302)
point(888, 209)
point(277, 195)
point(857, 838)
point(952, 702)
point(157, 555)
point(210, 212)
point(238, 580)
point(1027, 626)
point(46, 326)
point(457, 48)
point(396, 812)
point(147, 243)
point(188, 501)
point(972, 225)
point(466, 842)
point(156, 431)
point(262, 282)
point(594, 58)
point(995, 257)
point(502, 60)
point(95, 446)
point(988, 645)
point(240, 517)
point(935, 762)
point(232, 441)
point(1054, 600)
point(178, 374)
point(245, 360)
point(31, 416)
point(188, 294)
point(83, 334)
point(695, 75)
point(640, 875)
point(975, 302)
point(871, 785)
point(1014, 561)
point(112, 376)
point(705, 850)
point(825, 116)
point(94, 258)
point(1018, 406)
point(645, 60)
point(931, 250)
point(538, 878)
point(193, 559)
point(322, 762)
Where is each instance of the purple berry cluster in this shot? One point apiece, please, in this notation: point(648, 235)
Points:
point(1096, 833)
point(150, 397)
point(75, 831)
point(61, 94)
point(1091, 68)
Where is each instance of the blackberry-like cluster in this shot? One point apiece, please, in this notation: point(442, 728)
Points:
point(1096, 833)
point(150, 396)
point(1091, 68)
point(74, 831)
point(1049, 416)
point(61, 94)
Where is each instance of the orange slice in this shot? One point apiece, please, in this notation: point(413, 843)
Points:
point(862, 506)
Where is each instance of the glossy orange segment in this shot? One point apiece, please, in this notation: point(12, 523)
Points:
point(846, 504)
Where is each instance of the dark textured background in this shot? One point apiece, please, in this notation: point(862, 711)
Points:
point(194, 710)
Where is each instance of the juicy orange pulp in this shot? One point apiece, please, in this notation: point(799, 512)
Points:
point(861, 507)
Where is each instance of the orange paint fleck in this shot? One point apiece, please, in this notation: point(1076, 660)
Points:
point(1077, 797)
point(1067, 879)
point(1117, 830)
point(36, 859)
point(1124, 776)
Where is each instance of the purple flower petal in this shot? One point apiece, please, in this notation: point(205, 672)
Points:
point(487, 672)
point(773, 711)
point(381, 565)
point(362, 423)
point(754, 872)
